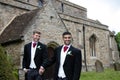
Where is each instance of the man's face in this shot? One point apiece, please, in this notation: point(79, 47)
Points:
point(67, 39)
point(36, 37)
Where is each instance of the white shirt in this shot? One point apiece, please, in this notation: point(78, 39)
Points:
point(61, 72)
point(32, 63)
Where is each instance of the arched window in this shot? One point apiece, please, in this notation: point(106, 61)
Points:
point(92, 41)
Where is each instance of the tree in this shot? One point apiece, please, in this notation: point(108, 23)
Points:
point(117, 38)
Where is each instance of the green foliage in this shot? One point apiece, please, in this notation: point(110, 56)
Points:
point(15, 72)
point(6, 70)
point(117, 38)
point(108, 74)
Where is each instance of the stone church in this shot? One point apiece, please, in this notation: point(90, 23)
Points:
point(19, 18)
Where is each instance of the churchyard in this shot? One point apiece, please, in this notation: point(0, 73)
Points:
point(107, 74)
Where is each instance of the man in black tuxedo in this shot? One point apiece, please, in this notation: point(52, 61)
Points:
point(35, 55)
point(68, 60)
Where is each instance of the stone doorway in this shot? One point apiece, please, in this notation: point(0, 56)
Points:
point(49, 73)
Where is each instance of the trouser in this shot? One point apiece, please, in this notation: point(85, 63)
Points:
point(59, 78)
point(33, 74)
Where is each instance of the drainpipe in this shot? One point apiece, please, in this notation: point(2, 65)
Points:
point(84, 48)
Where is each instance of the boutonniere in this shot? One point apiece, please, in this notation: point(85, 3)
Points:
point(39, 47)
point(69, 53)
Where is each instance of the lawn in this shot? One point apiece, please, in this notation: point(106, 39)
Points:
point(108, 74)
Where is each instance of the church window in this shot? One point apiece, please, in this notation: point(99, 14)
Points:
point(92, 41)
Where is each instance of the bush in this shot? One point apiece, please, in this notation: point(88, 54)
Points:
point(6, 70)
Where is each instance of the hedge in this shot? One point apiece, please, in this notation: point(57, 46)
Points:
point(6, 70)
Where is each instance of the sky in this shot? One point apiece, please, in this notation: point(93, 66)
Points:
point(105, 11)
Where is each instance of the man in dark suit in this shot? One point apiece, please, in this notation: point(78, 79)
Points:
point(35, 55)
point(68, 60)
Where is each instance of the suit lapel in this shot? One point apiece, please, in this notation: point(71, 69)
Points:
point(36, 51)
point(70, 49)
point(59, 53)
point(29, 48)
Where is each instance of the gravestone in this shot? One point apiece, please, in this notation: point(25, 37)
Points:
point(99, 66)
point(21, 74)
point(116, 66)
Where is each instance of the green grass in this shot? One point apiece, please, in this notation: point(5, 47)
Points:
point(108, 74)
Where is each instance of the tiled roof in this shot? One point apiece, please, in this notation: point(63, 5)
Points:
point(14, 30)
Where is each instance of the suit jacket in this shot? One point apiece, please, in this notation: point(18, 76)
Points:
point(40, 55)
point(72, 64)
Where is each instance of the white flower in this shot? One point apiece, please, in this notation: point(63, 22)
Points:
point(38, 47)
point(69, 53)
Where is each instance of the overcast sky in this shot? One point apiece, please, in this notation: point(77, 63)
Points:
point(105, 11)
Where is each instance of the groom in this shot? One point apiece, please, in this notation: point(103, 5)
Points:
point(35, 55)
point(68, 60)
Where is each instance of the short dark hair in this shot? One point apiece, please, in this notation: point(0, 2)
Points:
point(35, 31)
point(66, 33)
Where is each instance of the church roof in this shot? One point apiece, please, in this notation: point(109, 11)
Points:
point(15, 29)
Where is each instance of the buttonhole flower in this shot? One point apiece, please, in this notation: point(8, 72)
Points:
point(69, 53)
point(39, 47)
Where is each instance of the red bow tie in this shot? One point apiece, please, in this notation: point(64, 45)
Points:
point(34, 44)
point(65, 48)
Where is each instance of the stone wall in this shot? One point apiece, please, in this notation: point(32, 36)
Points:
point(102, 45)
point(113, 48)
point(69, 8)
point(31, 2)
point(49, 23)
point(102, 48)
point(15, 51)
point(22, 4)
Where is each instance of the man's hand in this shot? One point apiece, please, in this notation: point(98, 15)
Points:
point(26, 70)
point(41, 70)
